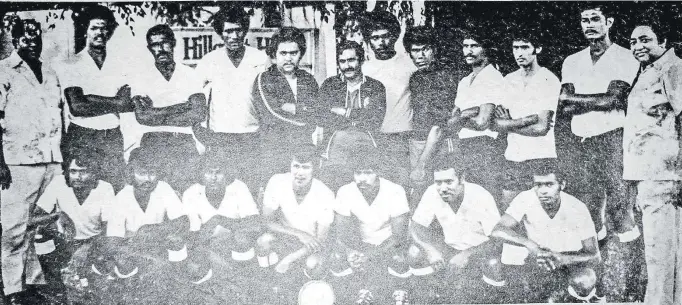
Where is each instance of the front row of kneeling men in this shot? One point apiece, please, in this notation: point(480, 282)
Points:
point(365, 233)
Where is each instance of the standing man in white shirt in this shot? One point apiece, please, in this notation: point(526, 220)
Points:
point(558, 254)
point(31, 129)
point(477, 96)
point(168, 101)
point(96, 92)
point(227, 74)
point(393, 70)
point(528, 114)
point(595, 84)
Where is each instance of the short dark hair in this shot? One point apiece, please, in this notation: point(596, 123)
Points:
point(421, 35)
point(83, 158)
point(656, 20)
point(161, 29)
point(380, 20)
point(231, 15)
point(286, 34)
point(21, 27)
point(603, 7)
point(350, 45)
point(306, 153)
point(98, 12)
point(548, 167)
point(144, 157)
point(366, 157)
point(221, 159)
point(450, 161)
point(529, 35)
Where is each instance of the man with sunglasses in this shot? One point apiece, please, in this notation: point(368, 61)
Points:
point(31, 122)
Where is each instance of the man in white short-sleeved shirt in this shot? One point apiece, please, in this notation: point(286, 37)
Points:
point(477, 95)
point(222, 208)
point(528, 114)
point(372, 220)
point(393, 70)
point(95, 88)
point(168, 101)
point(559, 238)
point(298, 211)
point(148, 219)
point(467, 214)
point(595, 84)
point(227, 75)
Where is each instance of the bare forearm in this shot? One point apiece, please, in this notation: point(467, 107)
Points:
point(512, 125)
point(511, 236)
point(572, 258)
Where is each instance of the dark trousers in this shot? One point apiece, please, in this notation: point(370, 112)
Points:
point(246, 151)
point(107, 145)
point(483, 158)
point(177, 156)
point(594, 168)
point(395, 149)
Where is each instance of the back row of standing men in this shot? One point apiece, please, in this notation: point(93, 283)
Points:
point(409, 107)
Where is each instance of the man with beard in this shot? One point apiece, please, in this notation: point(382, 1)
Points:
point(298, 212)
point(595, 83)
point(466, 214)
point(356, 105)
point(433, 89)
point(30, 102)
point(227, 74)
point(222, 209)
point(95, 88)
point(147, 228)
point(286, 101)
point(652, 161)
point(558, 252)
point(371, 229)
point(527, 116)
point(168, 101)
point(393, 70)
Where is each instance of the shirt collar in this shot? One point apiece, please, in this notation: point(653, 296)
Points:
point(343, 79)
point(15, 61)
point(663, 61)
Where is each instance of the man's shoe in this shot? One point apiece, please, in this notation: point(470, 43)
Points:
point(400, 297)
point(365, 297)
point(15, 299)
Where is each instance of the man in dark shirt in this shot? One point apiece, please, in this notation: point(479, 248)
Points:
point(356, 106)
point(433, 89)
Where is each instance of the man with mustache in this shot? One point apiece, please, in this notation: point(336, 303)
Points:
point(148, 228)
point(371, 230)
point(393, 70)
point(559, 247)
point(595, 83)
point(31, 112)
point(477, 95)
point(168, 101)
point(227, 75)
point(96, 92)
point(286, 101)
point(652, 162)
point(356, 105)
point(466, 213)
point(298, 212)
point(433, 88)
point(528, 114)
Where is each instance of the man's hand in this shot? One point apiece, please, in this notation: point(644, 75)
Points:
point(418, 175)
point(310, 242)
point(123, 94)
point(5, 176)
point(356, 259)
point(547, 260)
point(339, 111)
point(455, 119)
point(436, 261)
point(142, 102)
point(502, 113)
point(289, 107)
point(459, 261)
